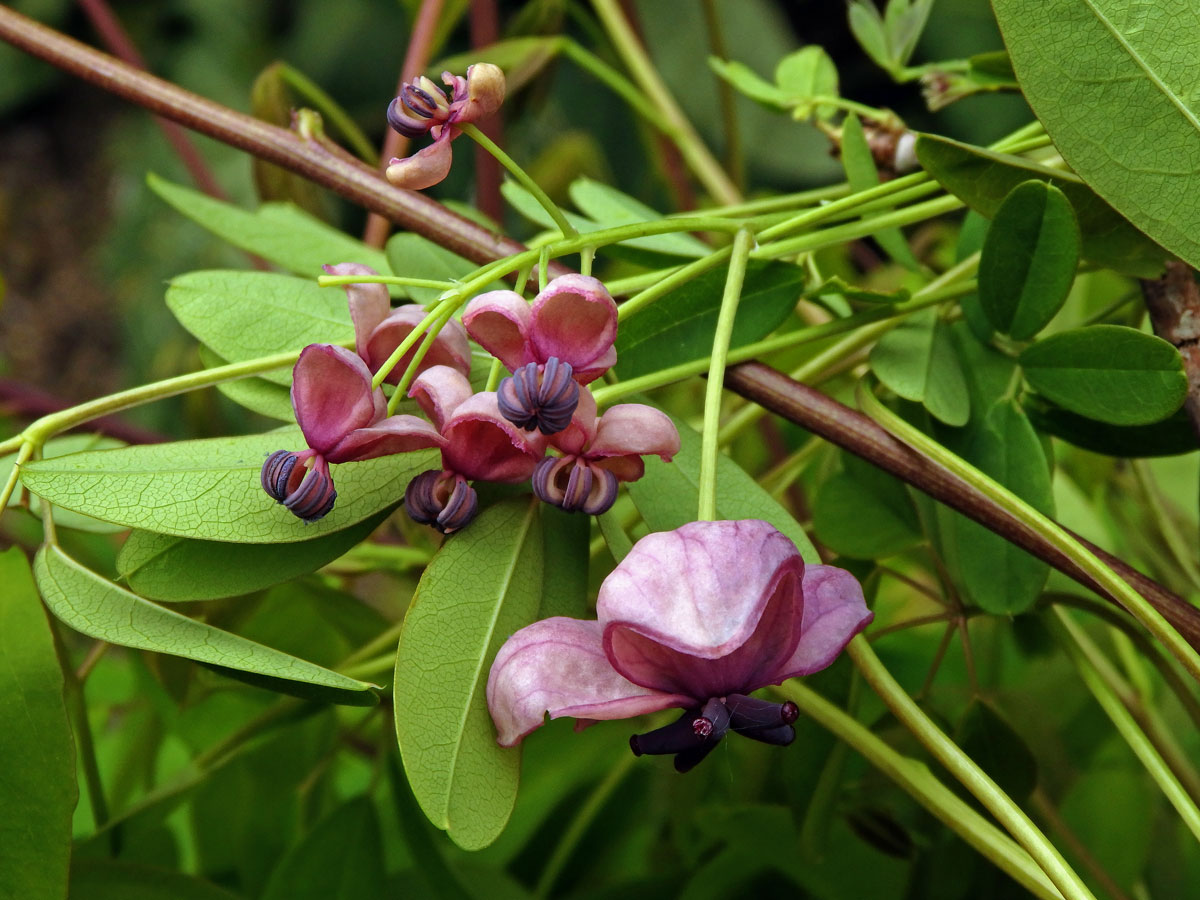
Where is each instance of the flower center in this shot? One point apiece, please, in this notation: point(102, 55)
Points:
point(544, 399)
point(440, 499)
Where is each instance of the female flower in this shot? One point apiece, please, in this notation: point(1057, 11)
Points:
point(379, 329)
point(695, 618)
point(343, 420)
point(599, 452)
point(424, 107)
point(477, 443)
point(561, 340)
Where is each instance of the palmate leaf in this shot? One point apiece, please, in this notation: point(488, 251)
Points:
point(1114, 84)
point(94, 606)
point(37, 780)
point(484, 584)
point(210, 489)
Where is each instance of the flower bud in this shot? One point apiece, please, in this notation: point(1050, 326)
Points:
point(306, 491)
point(442, 500)
point(574, 485)
point(544, 400)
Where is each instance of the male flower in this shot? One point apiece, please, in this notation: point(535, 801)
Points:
point(695, 618)
point(561, 340)
point(343, 420)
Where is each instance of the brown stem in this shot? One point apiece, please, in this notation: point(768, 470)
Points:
point(485, 30)
point(416, 60)
point(857, 434)
point(355, 181)
point(1173, 302)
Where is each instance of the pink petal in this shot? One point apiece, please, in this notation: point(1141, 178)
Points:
point(484, 92)
point(573, 439)
point(558, 666)
point(369, 303)
point(395, 434)
point(683, 600)
point(439, 391)
point(499, 323)
point(425, 168)
point(449, 348)
point(481, 443)
point(834, 612)
point(634, 429)
point(589, 373)
point(575, 319)
point(332, 396)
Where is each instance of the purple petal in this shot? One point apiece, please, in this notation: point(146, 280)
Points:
point(575, 319)
point(425, 168)
point(498, 321)
point(679, 608)
point(439, 391)
point(558, 666)
point(369, 303)
point(332, 396)
point(834, 612)
point(482, 444)
point(449, 348)
point(395, 434)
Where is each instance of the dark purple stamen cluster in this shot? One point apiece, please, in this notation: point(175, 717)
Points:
point(575, 485)
point(693, 735)
point(306, 492)
point(544, 400)
point(443, 500)
point(416, 109)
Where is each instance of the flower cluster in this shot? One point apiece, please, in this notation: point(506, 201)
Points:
point(554, 347)
point(695, 618)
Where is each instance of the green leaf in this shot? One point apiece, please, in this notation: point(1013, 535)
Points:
point(177, 569)
point(749, 83)
point(864, 513)
point(608, 208)
point(866, 24)
point(996, 575)
point(565, 577)
point(484, 584)
point(917, 361)
point(678, 327)
point(903, 22)
point(341, 858)
point(987, 737)
point(62, 446)
point(98, 608)
point(1170, 437)
point(1029, 258)
point(983, 178)
point(267, 398)
point(1114, 83)
point(862, 175)
point(1109, 373)
point(279, 232)
point(106, 879)
point(245, 315)
point(211, 489)
point(417, 257)
point(668, 494)
point(37, 785)
point(807, 73)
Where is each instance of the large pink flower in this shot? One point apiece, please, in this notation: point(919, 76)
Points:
point(599, 452)
point(379, 329)
point(343, 420)
point(423, 107)
point(478, 443)
point(695, 618)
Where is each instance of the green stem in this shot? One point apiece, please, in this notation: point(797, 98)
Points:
point(23, 453)
point(521, 176)
point(339, 280)
point(411, 372)
point(410, 340)
point(1176, 543)
point(1112, 584)
point(716, 375)
point(329, 109)
point(914, 778)
point(650, 82)
point(495, 374)
point(968, 773)
point(580, 823)
point(1079, 648)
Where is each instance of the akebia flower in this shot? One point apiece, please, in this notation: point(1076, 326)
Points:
point(477, 443)
point(423, 107)
point(379, 329)
point(563, 338)
point(343, 420)
point(695, 618)
point(599, 452)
